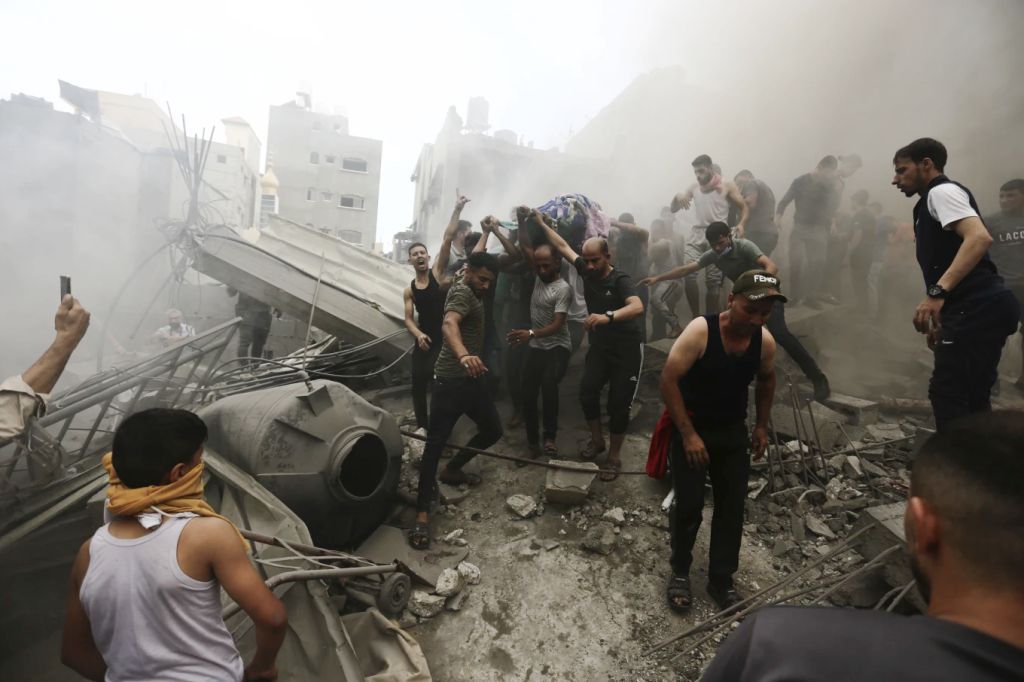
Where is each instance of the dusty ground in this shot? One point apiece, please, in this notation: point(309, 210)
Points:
point(567, 613)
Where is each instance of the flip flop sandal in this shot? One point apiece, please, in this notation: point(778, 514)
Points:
point(590, 452)
point(551, 450)
point(679, 594)
point(419, 536)
point(609, 476)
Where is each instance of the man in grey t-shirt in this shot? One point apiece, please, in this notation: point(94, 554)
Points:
point(734, 256)
point(549, 348)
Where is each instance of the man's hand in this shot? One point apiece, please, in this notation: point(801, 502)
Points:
point(741, 230)
point(759, 441)
point(696, 452)
point(927, 317)
point(423, 341)
point(522, 213)
point(517, 337)
point(683, 200)
point(538, 217)
point(71, 320)
point(486, 225)
point(460, 200)
point(473, 365)
point(648, 281)
point(254, 674)
point(594, 320)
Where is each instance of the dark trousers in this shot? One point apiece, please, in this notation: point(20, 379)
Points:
point(576, 333)
point(422, 374)
point(617, 364)
point(451, 399)
point(967, 355)
point(808, 250)
point(542, 372)
point(251, 340)
point(729, 467)
point(777, 326)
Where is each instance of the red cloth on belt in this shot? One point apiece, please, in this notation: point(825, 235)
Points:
point(661, 440)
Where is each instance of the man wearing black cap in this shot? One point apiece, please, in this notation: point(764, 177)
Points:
point(705, 384)
point(967, 312)
point(734, 256)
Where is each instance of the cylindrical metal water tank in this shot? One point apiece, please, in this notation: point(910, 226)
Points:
point(329, 455)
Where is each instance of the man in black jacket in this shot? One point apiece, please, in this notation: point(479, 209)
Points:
point(967, 312)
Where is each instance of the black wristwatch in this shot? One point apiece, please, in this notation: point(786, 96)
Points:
point(936, 291)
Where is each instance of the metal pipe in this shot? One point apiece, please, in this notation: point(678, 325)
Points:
point(19, 532)
point(315, 574)
point(817, 439)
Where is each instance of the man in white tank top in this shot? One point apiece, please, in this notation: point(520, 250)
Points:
point(710, 197)
point(144, 602)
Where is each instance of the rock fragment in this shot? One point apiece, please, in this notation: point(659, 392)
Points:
point(425, 605)
point(523, 506)
point(469, 572)
point(449, 583)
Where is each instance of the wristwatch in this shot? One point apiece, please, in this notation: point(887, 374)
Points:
point(936, 291)
point(611, 315)
point(532, 334)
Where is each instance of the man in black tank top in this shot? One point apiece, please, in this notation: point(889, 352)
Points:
point(704, 384)
point(426, 294)
point(967, 312)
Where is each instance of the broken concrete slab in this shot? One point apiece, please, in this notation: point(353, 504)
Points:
point(858, 411)
point(616, 515)
point(846, 505)
point(818, 527)
point(873, 469)
point(601, 539)
point(797, 527)
point(449, 583)
point(884, 432)
point(469, 572)
point(783, 547)
point(522, 506)
point(570, 487)
point(852, 467)
point(388, 544)
point(425, 605)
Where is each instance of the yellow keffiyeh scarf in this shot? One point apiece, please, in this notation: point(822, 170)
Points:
point(184, 495)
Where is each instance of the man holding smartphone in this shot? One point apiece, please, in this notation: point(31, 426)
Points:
point(23, 397)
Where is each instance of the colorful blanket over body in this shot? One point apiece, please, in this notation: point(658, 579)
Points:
point(577, 218)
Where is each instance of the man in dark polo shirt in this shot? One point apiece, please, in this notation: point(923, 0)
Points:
point(615, 356)
point(967, 311)
point(963, 522)
point(1007, 230)
point(761, 226)
point(734, 256)
point(459, 388)
point(705, 384)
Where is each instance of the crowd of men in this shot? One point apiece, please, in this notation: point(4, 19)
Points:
point(144, 600)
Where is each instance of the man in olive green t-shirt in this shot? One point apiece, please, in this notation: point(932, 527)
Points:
point(459, 388)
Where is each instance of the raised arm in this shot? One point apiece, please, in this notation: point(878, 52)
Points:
point(445, 254)
point(675, 273)
point(686, 350)
point(71, 323)
point(555, 239)
point(630, 228)
point(489, 226)
point(525, 242)
point(732, 194)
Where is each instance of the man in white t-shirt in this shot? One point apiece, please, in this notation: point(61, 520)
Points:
point(967, 312)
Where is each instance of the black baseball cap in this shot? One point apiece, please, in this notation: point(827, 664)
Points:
point(757, 285)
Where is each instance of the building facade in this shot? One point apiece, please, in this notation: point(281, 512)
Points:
point(328, 179)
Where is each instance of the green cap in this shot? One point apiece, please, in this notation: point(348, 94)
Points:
point(756, 285)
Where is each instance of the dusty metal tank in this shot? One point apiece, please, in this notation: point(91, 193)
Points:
point(328, 454)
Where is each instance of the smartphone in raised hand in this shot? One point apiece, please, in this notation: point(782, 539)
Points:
point(65, 286)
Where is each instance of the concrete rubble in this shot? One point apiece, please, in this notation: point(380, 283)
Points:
point(449, 583)
point(523, 506)
point(424, 604)
point(570, 487)
point(469, 572)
